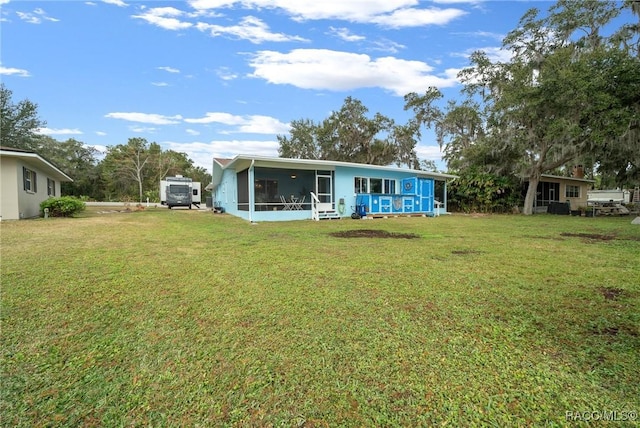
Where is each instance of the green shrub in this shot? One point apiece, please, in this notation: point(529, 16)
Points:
point(64, 206)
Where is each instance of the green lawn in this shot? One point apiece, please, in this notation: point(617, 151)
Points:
point(186, 318)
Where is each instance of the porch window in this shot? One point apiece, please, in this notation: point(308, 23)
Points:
point(572, 191)
point(51, 187)
point(29, 180)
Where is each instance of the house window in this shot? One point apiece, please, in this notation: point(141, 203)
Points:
point(572, 191)
point(29, 180)
point(361, 185)
point(376, 185)
point(389, 186)
point(51, 187)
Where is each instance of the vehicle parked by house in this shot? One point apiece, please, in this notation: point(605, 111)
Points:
point(180, 191)
point(608, 202)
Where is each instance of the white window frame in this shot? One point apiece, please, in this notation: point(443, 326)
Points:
point(361, 184)
point(29, 180)
point(572, 187)
point(389, 186)
point(51, 187)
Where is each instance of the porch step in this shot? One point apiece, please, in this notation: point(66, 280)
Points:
point(328, 215)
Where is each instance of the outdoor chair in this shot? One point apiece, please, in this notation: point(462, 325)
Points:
point(286, 204)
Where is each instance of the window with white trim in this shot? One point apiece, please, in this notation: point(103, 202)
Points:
point(361, 185)
point(376, 185)
point(389, 186)
point(572, 191)
point(51, 187)
point(29, 180)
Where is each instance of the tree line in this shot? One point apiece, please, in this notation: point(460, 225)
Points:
point(125, 172)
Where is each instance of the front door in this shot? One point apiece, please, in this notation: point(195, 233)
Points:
point(426, 195)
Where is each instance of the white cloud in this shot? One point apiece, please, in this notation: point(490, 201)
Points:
point(385, 45)
point(143, 129)
point(192, 132)
point(250, 28)
point(203, 153)
point(412, 17)
point(64, 131)
point(101, 133)
point(224, 118)
point(393, 13)
point(345, 34)
point(483, 34)
point(161, 84)
point(225, 73)
point(497, 54)
point(494, 53)
point(154, 119)
point(99, 147)
point(428, 152)
point(458, 1)
point(322, 69)
point(164, 17)
point(13, 71)
point(169, 69)
point(116, 2)
point(255, 124)
point(36, 17)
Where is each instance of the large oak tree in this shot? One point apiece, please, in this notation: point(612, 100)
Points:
point(568, 92)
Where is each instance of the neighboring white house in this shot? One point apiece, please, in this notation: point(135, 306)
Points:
point(26, 180)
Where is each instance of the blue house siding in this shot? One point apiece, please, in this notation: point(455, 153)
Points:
point(253, 188)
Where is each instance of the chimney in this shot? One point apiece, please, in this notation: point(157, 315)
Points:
point(578, 171)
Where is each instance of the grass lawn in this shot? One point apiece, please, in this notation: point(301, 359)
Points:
point(186, 318)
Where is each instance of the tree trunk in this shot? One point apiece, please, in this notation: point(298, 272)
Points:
point(530, 198)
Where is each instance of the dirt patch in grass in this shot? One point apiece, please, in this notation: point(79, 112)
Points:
point(370, 233)
point(590, 236)
point(465, 252)
point(611, 293)
point(605, 331)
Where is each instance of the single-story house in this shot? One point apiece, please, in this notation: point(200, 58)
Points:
point(258, 188)
point(27, 179)
point(557, 189)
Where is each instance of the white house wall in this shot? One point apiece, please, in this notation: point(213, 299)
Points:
point(9, 188)
point(28, 203)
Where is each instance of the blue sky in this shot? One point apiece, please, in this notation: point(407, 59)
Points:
point(223, 77)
